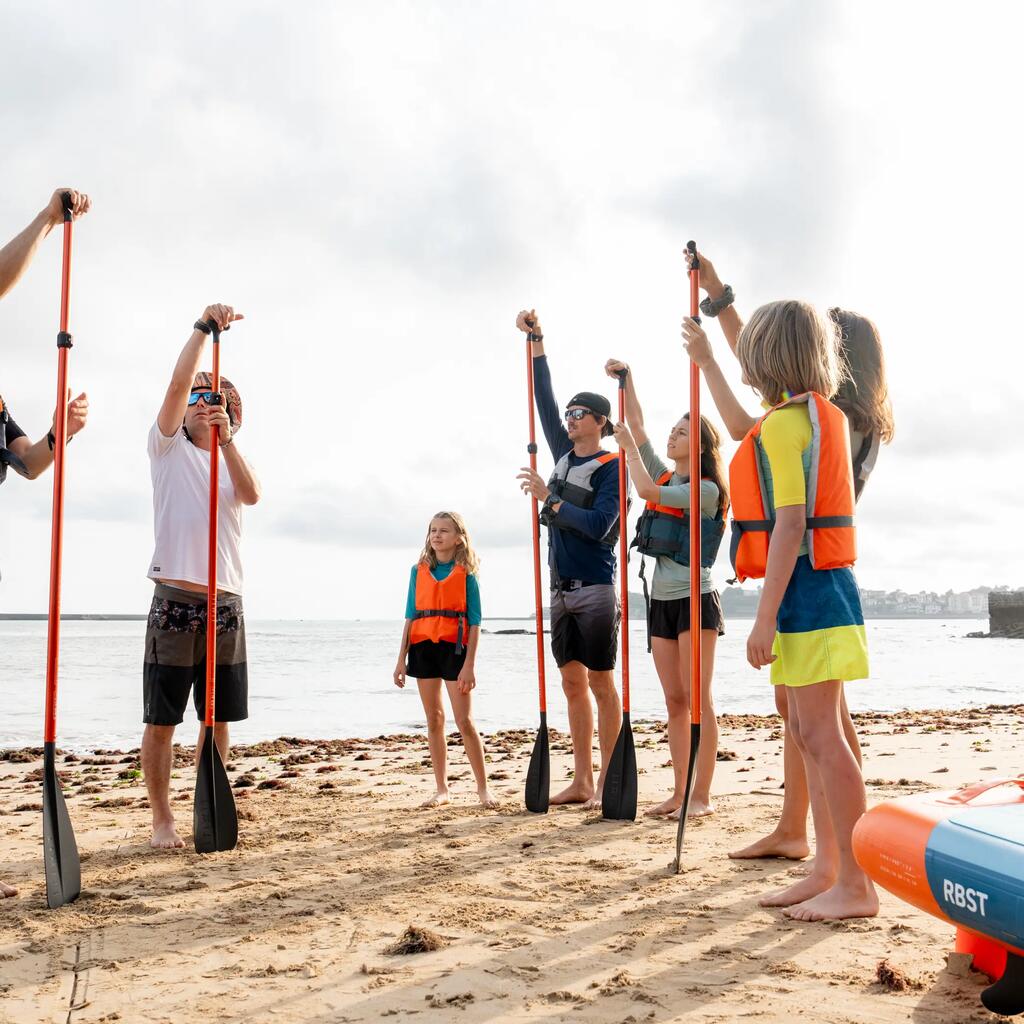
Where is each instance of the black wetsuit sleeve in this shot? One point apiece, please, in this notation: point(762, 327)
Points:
point(547, 408)
point(13, 430)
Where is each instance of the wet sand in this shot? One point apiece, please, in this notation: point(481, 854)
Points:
point(563, 917)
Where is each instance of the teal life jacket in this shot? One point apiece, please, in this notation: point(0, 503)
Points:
point(662, 530)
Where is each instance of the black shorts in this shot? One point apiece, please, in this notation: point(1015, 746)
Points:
point(175, 661)
point(430, 660)
point(585, 626)
point(671, 618)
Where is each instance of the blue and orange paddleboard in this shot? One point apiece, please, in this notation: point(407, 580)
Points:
point(959, 855)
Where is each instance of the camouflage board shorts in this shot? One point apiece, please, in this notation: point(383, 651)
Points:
point(175, 660)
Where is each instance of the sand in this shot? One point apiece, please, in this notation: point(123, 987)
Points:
point(563, 917)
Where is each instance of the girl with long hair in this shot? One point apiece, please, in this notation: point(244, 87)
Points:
point(792, 488)
point(863, 395)
point(664, 532)
point(442, 630)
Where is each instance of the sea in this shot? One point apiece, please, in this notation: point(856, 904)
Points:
point(324, 679)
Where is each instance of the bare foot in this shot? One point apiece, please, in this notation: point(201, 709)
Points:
point(806, 868)
point(576, 793)
point(700, 808)
point(437, 800)
point(837, 903)
point(165, 838)
point(486, 800)
point(799, 891)
point(774, 846)
point(666, 809)
point(7, 890)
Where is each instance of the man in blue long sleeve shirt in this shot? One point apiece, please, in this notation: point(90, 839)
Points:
point(581, 511)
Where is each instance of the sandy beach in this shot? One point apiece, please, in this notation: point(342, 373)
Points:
point(563, 917)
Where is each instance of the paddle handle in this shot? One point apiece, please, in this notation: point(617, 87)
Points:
point(624, 550)
point(695, 511)
point(60, 434)
point(211, 571)
point(535, 527)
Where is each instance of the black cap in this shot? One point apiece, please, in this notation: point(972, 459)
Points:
point(596, 404)
point(593, 402)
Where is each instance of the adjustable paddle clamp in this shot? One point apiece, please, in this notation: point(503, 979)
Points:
point(65, 203)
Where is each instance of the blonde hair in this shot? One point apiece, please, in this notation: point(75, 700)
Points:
point(786, 347)
point(464, 553)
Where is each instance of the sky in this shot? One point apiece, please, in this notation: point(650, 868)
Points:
point(380, 187)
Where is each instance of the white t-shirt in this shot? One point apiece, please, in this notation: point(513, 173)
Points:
point(181, 514)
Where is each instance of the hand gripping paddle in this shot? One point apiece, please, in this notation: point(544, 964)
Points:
point(618, 799)
point(60, 851)
point(695, 581)
point(538, 776)
point(214, 819)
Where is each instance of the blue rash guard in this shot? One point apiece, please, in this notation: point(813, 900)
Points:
point(576, 558)
point(442, 572)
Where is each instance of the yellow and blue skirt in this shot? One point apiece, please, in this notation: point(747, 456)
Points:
point(820, 628)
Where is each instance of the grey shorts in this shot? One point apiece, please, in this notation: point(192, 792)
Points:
point(585, 626)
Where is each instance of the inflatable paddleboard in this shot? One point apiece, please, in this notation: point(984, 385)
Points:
point(959, 855)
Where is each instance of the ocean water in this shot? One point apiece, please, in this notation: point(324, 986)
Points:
point(333, 679)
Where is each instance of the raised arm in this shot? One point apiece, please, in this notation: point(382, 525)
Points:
point(172, 412)
point(17, 254)
point(38, 457)
point(729, 318)
point(547, 408)
point(634, 414)
point(643, 483)
point(737, 420)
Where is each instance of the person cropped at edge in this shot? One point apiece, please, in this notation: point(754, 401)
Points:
point(581, 510)
point(175, 653)
point(863, 396)
point(17, 452)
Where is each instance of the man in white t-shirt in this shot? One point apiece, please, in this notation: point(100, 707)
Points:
point(175, 660)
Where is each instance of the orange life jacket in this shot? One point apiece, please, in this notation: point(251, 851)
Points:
point(440, 608)
point(831, 538)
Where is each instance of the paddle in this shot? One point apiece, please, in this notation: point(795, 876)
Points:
point(214, 819)
point(618, 799)
point(60, 851)
point(695, 658)
point(538, 776)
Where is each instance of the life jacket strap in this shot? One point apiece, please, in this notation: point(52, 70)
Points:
point(447, 613)
point(828, 522)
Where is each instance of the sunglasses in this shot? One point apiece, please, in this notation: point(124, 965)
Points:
point(578, 414)
point(209, 397)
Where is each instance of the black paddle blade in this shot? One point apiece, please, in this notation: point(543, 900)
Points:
point(618, 801)
point(690, 770)
point(214, 820)
point(1006, 996)
point(60, 851)
point(538, 777)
